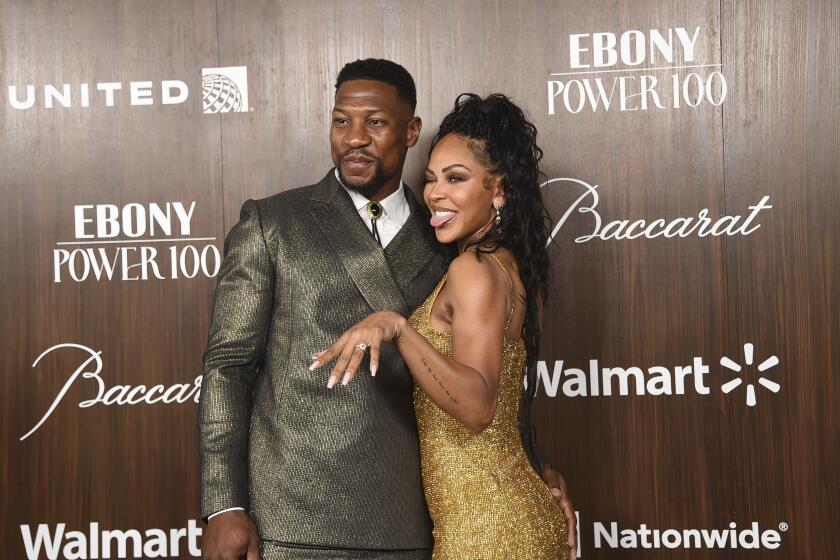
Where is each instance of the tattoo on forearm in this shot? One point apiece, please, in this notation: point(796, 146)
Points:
point(445, 390)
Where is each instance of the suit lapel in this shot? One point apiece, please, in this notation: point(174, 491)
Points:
point(356, 249)
point(413, 246)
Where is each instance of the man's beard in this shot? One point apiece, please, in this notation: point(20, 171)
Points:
point(368, 188)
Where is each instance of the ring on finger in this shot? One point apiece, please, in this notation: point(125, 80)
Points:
point(361, 346)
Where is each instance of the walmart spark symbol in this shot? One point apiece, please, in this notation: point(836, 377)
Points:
point(748, 359)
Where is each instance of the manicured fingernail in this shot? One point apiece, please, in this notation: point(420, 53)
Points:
point(314, 365)
point(373, 370)
point(346, 379)
point(331, 382)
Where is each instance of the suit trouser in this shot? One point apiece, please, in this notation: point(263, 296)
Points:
point(272, 550)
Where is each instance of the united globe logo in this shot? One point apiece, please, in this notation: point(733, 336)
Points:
point(220, 94)
point(225, 90)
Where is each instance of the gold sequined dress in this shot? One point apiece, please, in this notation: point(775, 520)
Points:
point(485, 500)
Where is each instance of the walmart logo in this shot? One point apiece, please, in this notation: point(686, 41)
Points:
point(768, 363)
point(693, 376)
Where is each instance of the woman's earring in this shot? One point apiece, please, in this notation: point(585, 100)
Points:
point(498, 215)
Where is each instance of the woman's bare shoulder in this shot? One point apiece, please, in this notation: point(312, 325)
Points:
point(475, 276)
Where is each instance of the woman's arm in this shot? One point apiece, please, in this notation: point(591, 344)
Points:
point(467, 385)
point(464, 386)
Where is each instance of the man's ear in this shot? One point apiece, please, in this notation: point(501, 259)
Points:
point(413, 131)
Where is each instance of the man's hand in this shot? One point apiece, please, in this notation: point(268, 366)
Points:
point(229, 536)
point(557, 485)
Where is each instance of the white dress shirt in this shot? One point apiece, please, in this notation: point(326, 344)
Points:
point(395, 212)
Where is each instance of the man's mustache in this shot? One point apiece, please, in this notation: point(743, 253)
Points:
point(361, 153)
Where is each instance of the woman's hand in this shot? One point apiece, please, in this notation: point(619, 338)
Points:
point(382, 326)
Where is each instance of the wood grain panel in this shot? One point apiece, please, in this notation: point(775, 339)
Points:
point(782, 128)
point(118, 465)
point(638, 302)
point(680, 461)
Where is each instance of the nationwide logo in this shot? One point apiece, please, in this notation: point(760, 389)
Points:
point(612, 535)
point(655, 381)
point(54, 543)
point(224, 90)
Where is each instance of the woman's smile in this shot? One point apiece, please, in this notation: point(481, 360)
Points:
point(441, 217)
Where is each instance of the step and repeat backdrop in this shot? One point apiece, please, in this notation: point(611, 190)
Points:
point(688, 380)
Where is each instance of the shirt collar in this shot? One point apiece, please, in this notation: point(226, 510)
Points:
point(394, 206)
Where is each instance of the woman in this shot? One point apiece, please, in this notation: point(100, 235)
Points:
point(468, 344)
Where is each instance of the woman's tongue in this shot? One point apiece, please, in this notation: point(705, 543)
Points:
point(441, 219)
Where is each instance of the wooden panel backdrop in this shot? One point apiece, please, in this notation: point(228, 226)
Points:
point(687, 461)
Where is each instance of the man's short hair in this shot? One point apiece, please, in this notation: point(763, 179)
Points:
point(381, 70)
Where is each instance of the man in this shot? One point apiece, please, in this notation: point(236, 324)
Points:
point(289, 467)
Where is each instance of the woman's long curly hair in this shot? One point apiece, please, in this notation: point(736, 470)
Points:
point(505, 143)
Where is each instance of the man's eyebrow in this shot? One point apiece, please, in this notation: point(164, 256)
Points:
point(448, 167)
point(367, 112)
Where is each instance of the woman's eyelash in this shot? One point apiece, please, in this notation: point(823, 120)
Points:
point(455, 178)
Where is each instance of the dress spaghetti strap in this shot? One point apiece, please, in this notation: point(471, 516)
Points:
point(512, 291)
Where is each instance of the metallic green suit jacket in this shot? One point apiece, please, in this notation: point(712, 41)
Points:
point(333, 468)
